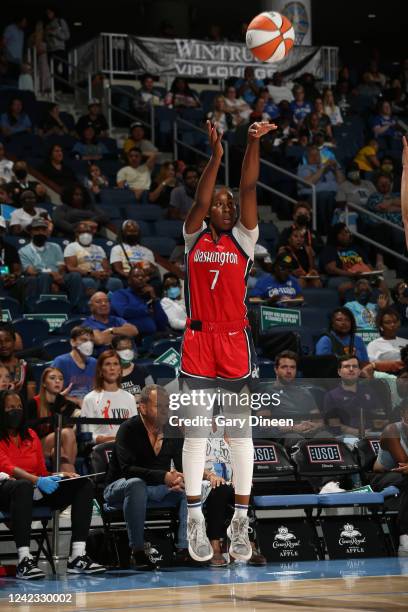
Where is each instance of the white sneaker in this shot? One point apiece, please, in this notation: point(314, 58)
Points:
point(403, 546)
point(199, 545)
point(240, 547)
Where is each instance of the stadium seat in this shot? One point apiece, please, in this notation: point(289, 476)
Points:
point(169, 228)
point(65, 328)
point(159, 347)
point(164, 515)
point(52, 306)
point(327, 298)
point(161, 245)
point(12, 305)
point(312, 318)
point(107, 245)
point(16, 241)
point(37, 368)
point(150, 212)
point(117, 197)
point(32, 331)
point(55, 347)
point(161, 372)
point(42, 514)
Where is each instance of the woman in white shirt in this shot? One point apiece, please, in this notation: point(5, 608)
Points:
point(389, 345)
point(236, 106)
point(331, 109)
point(173, 302)
point(108, 400)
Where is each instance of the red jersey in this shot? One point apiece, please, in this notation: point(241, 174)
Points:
point(217, 342)
point(217, 273)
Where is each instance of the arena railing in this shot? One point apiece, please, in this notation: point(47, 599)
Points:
point(109, 53)
point(377, 219)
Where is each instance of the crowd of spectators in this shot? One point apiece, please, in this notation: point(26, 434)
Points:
point(124, 300)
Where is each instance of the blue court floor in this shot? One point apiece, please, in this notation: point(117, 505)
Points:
point(185, 577)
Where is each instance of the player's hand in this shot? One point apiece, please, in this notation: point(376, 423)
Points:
point(382, 301)
point(405, 152)
point(66, 391)
point(402, 468)
point(260, 128)
point(215, 139)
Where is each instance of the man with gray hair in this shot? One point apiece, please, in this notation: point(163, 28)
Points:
point(146, 466)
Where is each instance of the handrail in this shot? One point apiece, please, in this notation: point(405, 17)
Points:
point(177, 141)
point(378, 245)
point(297, 178)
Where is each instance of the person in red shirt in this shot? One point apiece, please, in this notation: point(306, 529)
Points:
point(217, 347)
point(25, 482)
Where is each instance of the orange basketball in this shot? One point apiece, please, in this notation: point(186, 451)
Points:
point(270, 36)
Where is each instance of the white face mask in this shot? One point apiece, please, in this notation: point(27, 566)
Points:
point(85, 238)
point(86, 348)
point(127, 355)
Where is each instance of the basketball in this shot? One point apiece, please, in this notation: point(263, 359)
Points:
point(270, 36)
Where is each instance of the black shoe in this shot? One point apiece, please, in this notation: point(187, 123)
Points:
point(142, 562)
point(84, 565)
point(27, 570)
point(182, 558)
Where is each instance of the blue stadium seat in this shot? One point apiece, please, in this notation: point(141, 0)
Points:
point(62, 242)
point(32, 331)
point(117, 197)
point(65, 328)
point(17, 241)
point(12, 305)
point(207, 99)
point(52, 306)
point(161, 372)
point(327, 298)
point(314, 317)
point(65, 141)
point(150, 212)
point(105, 244)
point(56, 346)
point(26, 145)
point(161, 245)
point(37, 369)
point(169, 228)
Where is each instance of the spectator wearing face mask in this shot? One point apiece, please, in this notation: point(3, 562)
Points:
point(22, 183)
point(365, 306)
point(78, 366)
point(21, 218)
point(302, 220)
point(129, 253)
point(44, 268)
point(90, 261)
point(172, 302)
point(134, 377)
point(106, 325)
point(354, 190)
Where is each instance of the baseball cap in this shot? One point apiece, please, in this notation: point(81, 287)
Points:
point(285, 261)
point(136, 124)
point(93, 102)
point(3, 222)
point(38, 222)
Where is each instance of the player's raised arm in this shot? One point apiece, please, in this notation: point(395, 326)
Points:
point(404, 187)
point(206, 184)
point(250, 173)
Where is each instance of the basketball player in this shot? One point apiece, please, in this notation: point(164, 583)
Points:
point(217, 345)
point(404, 186)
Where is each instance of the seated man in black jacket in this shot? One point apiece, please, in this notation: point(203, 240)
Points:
point(140, 470)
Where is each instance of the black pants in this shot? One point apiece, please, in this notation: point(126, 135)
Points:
point(16, 497)
point(380, 481)
point(219, 508)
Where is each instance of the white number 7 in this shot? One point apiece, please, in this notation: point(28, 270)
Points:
point(216, 273)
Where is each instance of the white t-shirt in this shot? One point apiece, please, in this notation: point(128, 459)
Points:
point(107, 405)
point(246, 238)
point(386, 350)
point(175, 311)
point(137, 178)
point(89, 257)
point(134, 254)
point(21, 217)
point(279, 93)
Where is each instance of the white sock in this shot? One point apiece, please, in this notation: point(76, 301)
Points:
point(194, 510)
point(78, 550)
point(193, 465)
point(241, 511)
point(23, 551)
point(242, 460)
